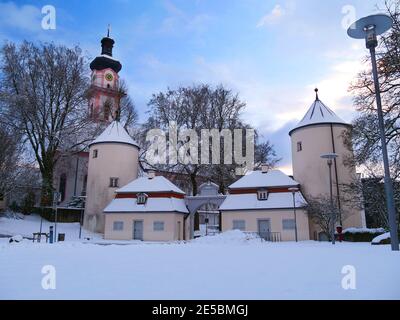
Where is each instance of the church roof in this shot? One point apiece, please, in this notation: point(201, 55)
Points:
point(149, 185)
point(318, 113)
point(152, 205)
point(106, 60)
point(259, 179)
point(115, 132)
point(278, 200)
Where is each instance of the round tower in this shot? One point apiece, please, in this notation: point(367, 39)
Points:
point(113, 163)
point(321, 131)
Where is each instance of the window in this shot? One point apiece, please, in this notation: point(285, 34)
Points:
point(141, 198)
point(299, 146)
point(288, 224)
point(262, 195)
point(158, 226)
point(95, 153)
point(113, 182)
point(118, 225)
point(239, 225)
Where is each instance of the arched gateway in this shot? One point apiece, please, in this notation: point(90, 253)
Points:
point(208, 195)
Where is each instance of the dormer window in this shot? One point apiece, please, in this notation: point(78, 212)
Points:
point(141, 198)
point(262, 195)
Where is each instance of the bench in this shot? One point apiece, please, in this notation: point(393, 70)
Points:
point(38, 236)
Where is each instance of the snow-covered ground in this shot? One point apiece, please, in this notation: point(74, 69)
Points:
point(232, 265)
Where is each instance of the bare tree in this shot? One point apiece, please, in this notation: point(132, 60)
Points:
point(43, 97)
point(127, 111)
point(322, 212)
point(200, 107)
point(10, 153)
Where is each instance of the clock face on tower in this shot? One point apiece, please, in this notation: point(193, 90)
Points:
point(109, 77)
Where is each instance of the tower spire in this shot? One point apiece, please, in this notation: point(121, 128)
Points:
point(316, 94)
point(108, 30)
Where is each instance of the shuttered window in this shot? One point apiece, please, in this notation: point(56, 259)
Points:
point(288, 224)
point(158, 225)
point(239, 225)
point(118, 225)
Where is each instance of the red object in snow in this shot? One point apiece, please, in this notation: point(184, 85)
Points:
point(339, 230)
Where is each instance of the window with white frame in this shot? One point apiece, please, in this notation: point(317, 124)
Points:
point(262, 194)
point(141, 198)
point(288, 224)
point(239, 225)
point(158, 226)
point(118, 225)
point(114, 182)
point(95, 153)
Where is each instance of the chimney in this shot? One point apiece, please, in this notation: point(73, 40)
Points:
point(264, 168)
point(151, 174)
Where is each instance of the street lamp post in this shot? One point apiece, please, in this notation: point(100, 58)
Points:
point(293, 190)
point(369, 28)
point(330, 157)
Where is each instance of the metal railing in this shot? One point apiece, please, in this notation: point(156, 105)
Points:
point(270, 236)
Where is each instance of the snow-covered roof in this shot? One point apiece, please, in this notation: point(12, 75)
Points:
point(115, 132)
point(152, 205)
point(258, 179)
point(147, 185)
point(249, 201)
point(318, 113)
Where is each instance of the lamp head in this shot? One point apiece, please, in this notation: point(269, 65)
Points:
point(329, 156)
point(369, 28)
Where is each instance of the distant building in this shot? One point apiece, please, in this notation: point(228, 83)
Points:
point(262, 202)
point(148, 208)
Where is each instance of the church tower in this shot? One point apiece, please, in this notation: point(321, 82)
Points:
point(104, 90)
point(320, 132)
point(113, 163)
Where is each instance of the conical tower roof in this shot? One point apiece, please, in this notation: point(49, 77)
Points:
point(318, 113)
point(115, 133)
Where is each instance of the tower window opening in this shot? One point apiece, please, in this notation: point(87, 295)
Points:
point(95, 153)
point(299, 146)
point(114, 182)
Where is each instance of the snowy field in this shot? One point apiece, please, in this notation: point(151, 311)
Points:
point(227, 266)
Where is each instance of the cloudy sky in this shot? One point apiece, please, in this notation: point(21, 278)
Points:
point(273, 53)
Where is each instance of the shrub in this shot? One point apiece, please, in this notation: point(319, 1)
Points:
point(28, 203)
point(361, 234)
